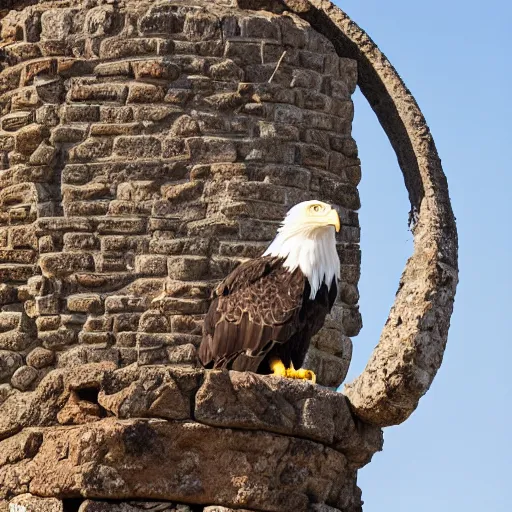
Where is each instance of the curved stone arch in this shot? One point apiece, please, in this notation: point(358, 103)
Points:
point(412, 343)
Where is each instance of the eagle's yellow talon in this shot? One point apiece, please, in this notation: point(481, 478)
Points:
point(308, 375)
point(301, 374)
point(277, 367)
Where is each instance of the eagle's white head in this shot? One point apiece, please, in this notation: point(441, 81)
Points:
point(306, 239)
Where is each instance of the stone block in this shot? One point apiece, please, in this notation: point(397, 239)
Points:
point(25, 50)
point(255, 230)
point(116, 48)
point(155, 113)
point(25, 98)
point(6, 142)
point(349, 71)
point(102, 339)
point(68, 134)
point(16, 120)
point(49, 224)
point(116, 68)
point(136, 244)
point(310, 155)
point(85, 303)
point(92, 190)
point(126, 322)
point(211, 149)
point(48, 323)
point(184, 126)
point(126, 339)
point(80, 242)
point(340, 193)
point(201, 25)
point(183, 354)
point(63, 264)
point(291, 34)
point(186, 324)
point(153, 69)
point(56, 24)
point(99, 92)
point(112, 262)
point(101, 323)
point(180, 246)
point(68, 67)
point(151, 265)
point(178, 96)
point(40, 358)
point(332, 341)
point(15, 272)
point(48, 115)
point(24, 256)
point(137, 146)
point(29, 137)
point(10, 79)
point(122, 225)
point(145, 93)
point(184, 289)
point(154, 322)
point(40, 67)
point(24, 377)
point(226, 70)
point(161, 19)
point(43, 155)
point(178, 306)
point(188, 268)
point(243, 53)
point(174, 147)
point(112, 114)
point(321, 121)
point(59, 339)
point(312, 60)
point(278, 130)
point(91, 149)
point(99, 21)
point(260, 28)
point(124, 303)
point(330, 370)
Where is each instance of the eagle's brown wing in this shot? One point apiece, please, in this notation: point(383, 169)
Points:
point(256, 306)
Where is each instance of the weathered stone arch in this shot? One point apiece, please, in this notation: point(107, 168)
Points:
point(412, 343)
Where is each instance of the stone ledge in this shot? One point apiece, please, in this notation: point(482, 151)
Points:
point(252, 441)
point(184, 462)
point(240, 400)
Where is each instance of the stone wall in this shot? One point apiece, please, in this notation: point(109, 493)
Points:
point(146, 149)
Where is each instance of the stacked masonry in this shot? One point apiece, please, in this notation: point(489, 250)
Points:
point(144, 155)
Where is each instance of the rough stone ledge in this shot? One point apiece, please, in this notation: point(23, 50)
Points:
point(240, 400)
point(179, 461)
point(185, 435)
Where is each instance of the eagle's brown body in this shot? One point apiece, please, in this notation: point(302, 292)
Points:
point(262, 310)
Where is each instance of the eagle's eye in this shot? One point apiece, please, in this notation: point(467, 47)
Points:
point(316, 208)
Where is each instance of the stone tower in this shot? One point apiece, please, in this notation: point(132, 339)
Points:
point(146, 149)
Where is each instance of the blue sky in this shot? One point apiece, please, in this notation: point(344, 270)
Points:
point(455, 452)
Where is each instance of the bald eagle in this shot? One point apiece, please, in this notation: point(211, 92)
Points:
point(264, 314)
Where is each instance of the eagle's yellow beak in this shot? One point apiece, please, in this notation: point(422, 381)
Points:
point(333, 219)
